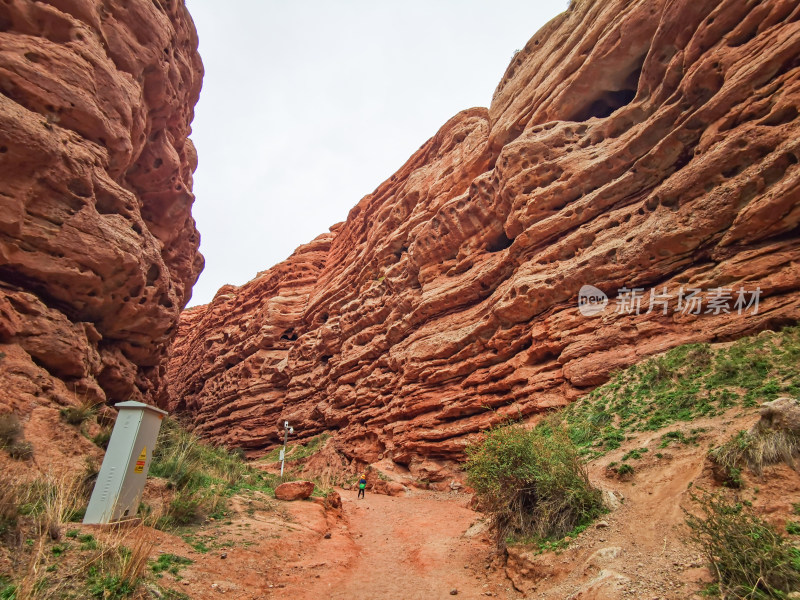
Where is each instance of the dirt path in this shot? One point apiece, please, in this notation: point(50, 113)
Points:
point(415, 547)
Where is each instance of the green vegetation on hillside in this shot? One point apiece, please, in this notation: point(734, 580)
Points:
point(203, 476)
point(295, 452)
point(683, 384)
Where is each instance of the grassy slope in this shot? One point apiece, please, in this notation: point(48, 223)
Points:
point(686, 383)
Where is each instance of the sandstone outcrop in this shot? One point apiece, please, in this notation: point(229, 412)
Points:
point(645, 144)
point(98, 248)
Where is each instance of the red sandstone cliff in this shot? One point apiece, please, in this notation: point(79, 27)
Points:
point(98, 248)
point(643, 143)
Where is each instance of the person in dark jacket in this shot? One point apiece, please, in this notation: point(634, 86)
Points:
point(362, 485)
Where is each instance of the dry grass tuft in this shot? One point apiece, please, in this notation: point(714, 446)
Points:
point(112, 565)
point(755, 450)
point(10, 430)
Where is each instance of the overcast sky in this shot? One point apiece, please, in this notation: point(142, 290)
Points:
point(308, 105)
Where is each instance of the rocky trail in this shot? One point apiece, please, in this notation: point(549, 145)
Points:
point(423, 545)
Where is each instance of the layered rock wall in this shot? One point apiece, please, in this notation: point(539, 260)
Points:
point(98, 248)
point(631, 143)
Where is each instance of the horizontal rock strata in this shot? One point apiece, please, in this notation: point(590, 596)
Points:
point(630, 144)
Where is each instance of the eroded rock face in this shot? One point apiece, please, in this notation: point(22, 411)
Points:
point(98, 248)
point(645, 144)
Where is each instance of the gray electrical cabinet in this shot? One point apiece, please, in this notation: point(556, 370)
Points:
point(122, 476)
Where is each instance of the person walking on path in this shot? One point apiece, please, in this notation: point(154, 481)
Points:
point(362, 485)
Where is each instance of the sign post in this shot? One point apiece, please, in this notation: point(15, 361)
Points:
point(286, 431)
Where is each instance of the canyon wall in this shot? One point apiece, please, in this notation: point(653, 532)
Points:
point(648, 144)
point(98, 248)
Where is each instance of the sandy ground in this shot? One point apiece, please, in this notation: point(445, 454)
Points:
point(411, 547)
point(422, 545)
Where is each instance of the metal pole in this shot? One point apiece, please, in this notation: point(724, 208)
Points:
point(285, 439)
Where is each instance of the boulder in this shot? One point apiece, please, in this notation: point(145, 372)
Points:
point(294, 490)
point(782, 414)
point(394, 488)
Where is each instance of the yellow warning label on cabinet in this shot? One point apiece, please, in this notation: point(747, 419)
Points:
point(139, 468)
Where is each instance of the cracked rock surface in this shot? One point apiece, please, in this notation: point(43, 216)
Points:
point(98, 248)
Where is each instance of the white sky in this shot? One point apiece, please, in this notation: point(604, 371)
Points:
point(308, 105)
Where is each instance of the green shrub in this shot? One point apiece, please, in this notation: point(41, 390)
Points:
point(532, 483)
point(8, 591)
point(792, 528)
point(10, 502)
point(749, 557)
point(75, 415)
point(169, 562)
point(102, 437)
point(625, 469)
point(635, 454)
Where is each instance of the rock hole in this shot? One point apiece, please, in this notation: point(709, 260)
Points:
point(105, 203)
point(33, 57)
point(609, 101)
point(152, 274)
point(670, 201)
point(325, 358)
point(289, 335)
point(742, 37)
point(748, 193)
point(157, 163)
point(774, 173)
point(684, 159)
point(3, 149)
point(501, 242)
